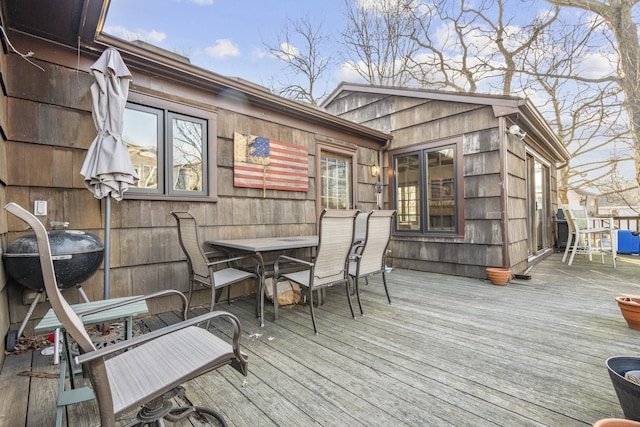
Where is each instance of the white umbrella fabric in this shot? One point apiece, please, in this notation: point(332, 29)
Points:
point(107, 169)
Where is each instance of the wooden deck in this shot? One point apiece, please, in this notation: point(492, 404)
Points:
point(449, 351)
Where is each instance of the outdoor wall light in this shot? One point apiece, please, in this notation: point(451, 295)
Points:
point(515, 130)
point(375, 170)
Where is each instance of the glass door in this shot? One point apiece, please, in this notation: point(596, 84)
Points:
point(538, 205)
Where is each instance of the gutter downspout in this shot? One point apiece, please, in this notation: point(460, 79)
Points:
point(379, 194)
point(504, 193)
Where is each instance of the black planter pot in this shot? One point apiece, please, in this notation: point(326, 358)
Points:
point(628, 392)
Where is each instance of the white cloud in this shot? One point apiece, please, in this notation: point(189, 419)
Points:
point(258, 53)
point(372, 5)
point(222, 49)
point(202, 2)
point(287, 52)
point(152, 36)
point(347, 72)
point(597, 65)
point(155, 36)
point(384, 5)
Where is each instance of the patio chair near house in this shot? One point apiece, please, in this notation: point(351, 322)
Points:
point(369, 258)
point(570, 233)
point(359, 235)
point(584, 232)
point(331, 261)
point(212, 269)
point(151, 370)
point(360, 232)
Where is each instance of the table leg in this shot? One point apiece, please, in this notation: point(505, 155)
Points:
point(260, 296)
point(274, 282)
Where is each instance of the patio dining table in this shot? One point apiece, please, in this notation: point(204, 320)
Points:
point(259, 246)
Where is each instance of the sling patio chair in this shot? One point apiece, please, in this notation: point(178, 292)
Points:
point(330, 265)
point(153, 367)
point(369, 259)
point(582, 232)
point(570, 233)
point(213, 269)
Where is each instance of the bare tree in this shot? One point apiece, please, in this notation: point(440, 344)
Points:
point(618, 15)
point(300, 47)
point(621, 192)
point(471, 46)
point(497, 46)
point(375, 42)
point(585, 110)
point(467, 45)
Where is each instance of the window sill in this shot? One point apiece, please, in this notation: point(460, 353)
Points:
point(164, 197)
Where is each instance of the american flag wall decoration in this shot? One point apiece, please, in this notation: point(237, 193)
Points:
point(268, 164)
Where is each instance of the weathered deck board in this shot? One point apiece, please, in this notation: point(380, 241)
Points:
point(430, 382)
point(447, 351)
point(327, 398)
point(358, 385)
point(13, 404)
point(414, 375)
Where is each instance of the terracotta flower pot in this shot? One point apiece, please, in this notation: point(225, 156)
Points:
point(616, 422)
point(499, 276)
point(630, 309)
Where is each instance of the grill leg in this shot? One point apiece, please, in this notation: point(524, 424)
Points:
point(32, 307)
point(82, 294)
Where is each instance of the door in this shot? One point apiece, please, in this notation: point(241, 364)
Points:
point(336, 180)
point(538, 197)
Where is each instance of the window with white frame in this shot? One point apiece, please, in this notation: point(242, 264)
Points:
point(336, 180)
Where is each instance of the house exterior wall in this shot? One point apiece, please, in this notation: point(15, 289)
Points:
point(488, 159)
point(4, 302)
point(517, 224)
point(49, 128)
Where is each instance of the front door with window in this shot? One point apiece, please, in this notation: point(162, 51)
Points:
point(336, 180)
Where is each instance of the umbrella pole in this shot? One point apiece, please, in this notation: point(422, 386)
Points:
point(107, 246)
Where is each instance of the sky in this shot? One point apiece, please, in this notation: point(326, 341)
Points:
point(223, 36)
point(228, 36)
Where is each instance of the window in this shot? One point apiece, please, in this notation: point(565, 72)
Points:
point(407, 171)
point(425, 188)
point(336, 180)
point(187, 152)
point(169, 150)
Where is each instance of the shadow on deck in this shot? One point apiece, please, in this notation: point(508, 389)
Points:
point(448, 351)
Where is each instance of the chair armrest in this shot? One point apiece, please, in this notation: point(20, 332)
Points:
point(292, 260)
point(230, 256)
point(289, 260)
point(233, 259)
point(235, 264)
point(141, 339)
point(604, 222)
point(139, 298)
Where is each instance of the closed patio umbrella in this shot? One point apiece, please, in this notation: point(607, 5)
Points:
point(107, 169)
